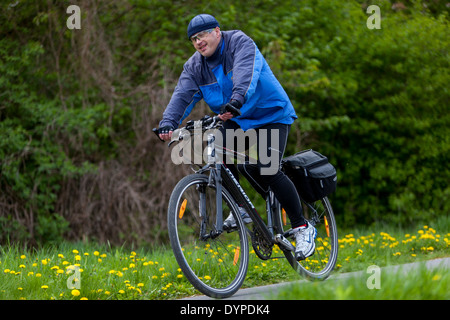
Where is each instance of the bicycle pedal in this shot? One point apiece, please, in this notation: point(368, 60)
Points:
point(285, 243)
point(229, 229)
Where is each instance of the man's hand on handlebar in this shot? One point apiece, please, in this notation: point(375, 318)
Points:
point(165, 133)
point(230, 110)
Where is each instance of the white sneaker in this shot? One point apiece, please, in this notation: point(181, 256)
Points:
point(230, 222)
point(304, 241)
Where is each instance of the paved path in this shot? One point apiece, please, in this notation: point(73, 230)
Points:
point(262, 293)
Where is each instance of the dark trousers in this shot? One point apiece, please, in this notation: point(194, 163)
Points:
point(263, 174)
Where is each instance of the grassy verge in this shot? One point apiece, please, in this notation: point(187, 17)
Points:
point(94, 272)
point(417, 284)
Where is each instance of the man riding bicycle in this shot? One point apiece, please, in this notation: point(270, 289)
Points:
point(230, 74)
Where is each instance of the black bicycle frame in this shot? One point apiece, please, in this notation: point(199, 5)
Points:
point(220, 176)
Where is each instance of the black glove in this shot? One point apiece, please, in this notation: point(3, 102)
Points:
point(165, 129)
point(162, 130)
point(233, 106)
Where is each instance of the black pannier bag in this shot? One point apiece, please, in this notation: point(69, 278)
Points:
point(313, 176)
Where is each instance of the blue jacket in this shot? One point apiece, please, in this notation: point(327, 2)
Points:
point(237, 70)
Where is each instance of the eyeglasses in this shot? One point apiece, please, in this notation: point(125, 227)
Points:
point(201, 35)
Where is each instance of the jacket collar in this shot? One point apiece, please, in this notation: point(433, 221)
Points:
point(214, 60)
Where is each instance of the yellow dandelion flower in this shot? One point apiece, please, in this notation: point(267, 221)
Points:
point(75, 251)
point(23, 257)
point(84, 298)
point(75, 292)
point(44, 287)
point(96, 253)
point(436, 277)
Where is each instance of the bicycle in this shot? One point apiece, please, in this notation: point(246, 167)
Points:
point(215, 261)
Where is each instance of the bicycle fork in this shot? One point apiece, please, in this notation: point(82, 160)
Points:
point(215, 181)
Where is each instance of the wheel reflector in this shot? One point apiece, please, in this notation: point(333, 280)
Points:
point(182, 208)
point(236, 255)
point(327, 227)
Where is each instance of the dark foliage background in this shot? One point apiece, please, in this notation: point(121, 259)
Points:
point(78, 159)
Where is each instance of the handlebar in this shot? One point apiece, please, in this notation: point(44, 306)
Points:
point(204, 123)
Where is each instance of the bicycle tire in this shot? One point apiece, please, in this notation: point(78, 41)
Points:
point(320, 265)
point(217, 266)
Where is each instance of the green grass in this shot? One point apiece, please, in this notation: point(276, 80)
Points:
point(108, 273)
point(417, 284)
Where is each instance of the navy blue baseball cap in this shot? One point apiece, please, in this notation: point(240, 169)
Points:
point(200, 23)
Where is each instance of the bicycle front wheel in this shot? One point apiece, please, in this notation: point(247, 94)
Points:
point(322, 262)
point(215, 264)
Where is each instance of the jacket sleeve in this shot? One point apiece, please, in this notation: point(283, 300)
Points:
point(184, 98)
point(247, 66)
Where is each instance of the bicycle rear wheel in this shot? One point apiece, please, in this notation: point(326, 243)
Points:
point(322, 262)
point(216, 265)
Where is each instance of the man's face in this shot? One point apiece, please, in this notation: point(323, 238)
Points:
point(206, 42)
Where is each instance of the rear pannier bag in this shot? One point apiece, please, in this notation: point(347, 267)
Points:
point(313, 176)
